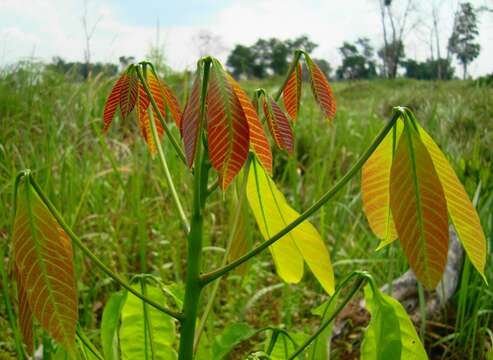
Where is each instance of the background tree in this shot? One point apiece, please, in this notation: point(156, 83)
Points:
point(357, 60)
point(240, 61)
point(278, 56)
point(392, 55)
point(462, 42)
point(431, 69)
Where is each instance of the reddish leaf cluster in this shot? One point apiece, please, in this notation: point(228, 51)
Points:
point(129, 91)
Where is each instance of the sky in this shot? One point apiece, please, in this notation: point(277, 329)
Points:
point(43, 29)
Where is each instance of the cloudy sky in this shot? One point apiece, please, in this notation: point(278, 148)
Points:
point(46, 28)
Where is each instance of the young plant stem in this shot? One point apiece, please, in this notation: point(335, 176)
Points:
point(208, 277)
point(167, 174)
point(229, 243)
point(362, 278)
point(92, 256)
point(174, 142)
point(193, 285)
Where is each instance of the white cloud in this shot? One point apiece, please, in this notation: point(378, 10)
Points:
point(54, 27)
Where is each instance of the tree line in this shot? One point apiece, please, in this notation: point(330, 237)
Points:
point(360, 60)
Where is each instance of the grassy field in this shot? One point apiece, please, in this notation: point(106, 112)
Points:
point(113, 194)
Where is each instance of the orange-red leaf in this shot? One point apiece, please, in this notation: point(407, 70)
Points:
point(128, 93)
point(25, 314)
point(291, 94)
point(173, 105)
point(419, 209)
point(321, 89)
point(258, 140)
point(43, 257)
point(112, 102)
point(279, 126)
point(156, 88)
point(227, 127)
point(189, 124)
point(144, 121)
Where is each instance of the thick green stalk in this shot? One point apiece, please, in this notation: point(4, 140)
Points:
point(167, 174)
point(174, 142)
point(207, 278)
point(92, 256)
point(193, 285)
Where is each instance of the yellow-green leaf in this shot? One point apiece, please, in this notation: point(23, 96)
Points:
point(44, 268)
point(461, 211)
point(419, 209)
point(375, 180)
point(272, 214)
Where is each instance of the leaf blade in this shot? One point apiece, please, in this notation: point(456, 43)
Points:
point(301, 243)
point(291, 94)
point(112, 103)
point(43, 257)
point(321, 89)
point(464, 217)
point(189, 124)
point(279, 126)
point(419, 209)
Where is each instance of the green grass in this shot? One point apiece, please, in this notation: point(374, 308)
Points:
point(115, 197)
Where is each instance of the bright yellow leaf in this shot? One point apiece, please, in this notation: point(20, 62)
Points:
point(273, 213)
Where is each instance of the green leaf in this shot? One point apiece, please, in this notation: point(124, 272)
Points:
point(390, 334)
point(319, 349)
point(229, 338)
point(273, 213)
point(284, 346)
point(153, 340)
point(109, 325)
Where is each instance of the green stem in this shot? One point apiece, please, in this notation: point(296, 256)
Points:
point(229, 243)
point(93, 257)
point(167, 174)
point(207, 278)
point(174, 142)
point(363, 277)
point(193, 286)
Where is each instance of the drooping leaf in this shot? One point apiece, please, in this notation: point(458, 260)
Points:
point(321, 89)
point(128, 93)
point(156, 89)
point(43, 259)
point(461, 211)
point(143, 118)
point(231, 336)
point(227, 127)
point(258, 140)
point(109, 325)
point(167, 97)
point(291, 94)
point(390, 334)
point(279, 126)
point(112, 102)
point(419, 209)
point(272, 214)
point(375, 180)
point(137, 341)
point(189, 124)
point(284, 346)
point(25, 314)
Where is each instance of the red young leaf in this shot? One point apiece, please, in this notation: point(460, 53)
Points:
point(291, 94)
point(128, 93)
point(112, 103)
point(258, 140)
point(321, 89)
point(189, 124)
point(227, 127)
point(155, 86)
point(173, 105)
point(143, 118)
point(44, 262)
point(278, 125)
